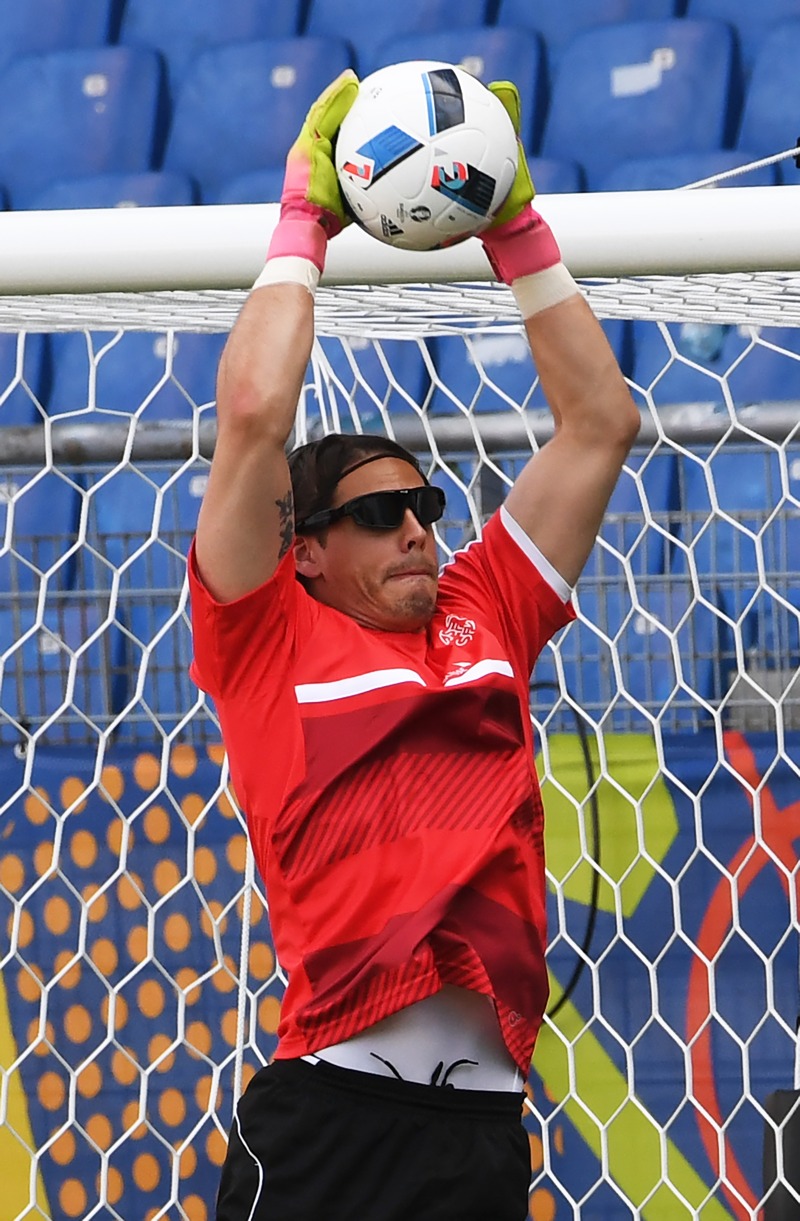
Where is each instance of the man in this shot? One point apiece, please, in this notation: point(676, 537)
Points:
point(376, 719)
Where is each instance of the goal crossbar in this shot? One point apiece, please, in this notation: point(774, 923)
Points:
point(223, 246)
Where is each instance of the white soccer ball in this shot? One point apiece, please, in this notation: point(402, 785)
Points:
point(426, 155)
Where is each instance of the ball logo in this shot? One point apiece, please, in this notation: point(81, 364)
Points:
point(457, 631)
point(360, 170)
point(453, 175)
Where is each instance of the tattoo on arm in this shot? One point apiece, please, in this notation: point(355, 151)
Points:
point(286, 522)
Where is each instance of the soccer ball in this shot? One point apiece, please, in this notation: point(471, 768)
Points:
point(426, 155)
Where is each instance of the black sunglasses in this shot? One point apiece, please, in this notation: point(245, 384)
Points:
point(382, 510)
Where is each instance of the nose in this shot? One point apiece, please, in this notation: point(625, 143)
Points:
point(414, 534)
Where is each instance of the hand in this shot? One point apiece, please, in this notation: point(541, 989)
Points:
point(311, 185)
point(518, 242)
point(522, 190)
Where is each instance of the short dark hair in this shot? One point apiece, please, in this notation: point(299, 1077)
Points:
point(318, 466)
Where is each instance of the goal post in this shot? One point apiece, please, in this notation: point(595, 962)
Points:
point(139, 989)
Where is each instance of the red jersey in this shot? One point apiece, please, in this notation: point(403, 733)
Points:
point(390, 791)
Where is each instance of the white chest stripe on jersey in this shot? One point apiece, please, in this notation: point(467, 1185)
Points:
point(341, 688)
point(374, 680)
point(490, 665)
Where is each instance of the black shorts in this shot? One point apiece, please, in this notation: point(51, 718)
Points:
point(313, 1142)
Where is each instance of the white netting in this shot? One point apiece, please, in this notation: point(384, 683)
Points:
point(138, 982)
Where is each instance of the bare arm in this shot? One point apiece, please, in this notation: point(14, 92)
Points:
point(560, 497)
point(246, 521)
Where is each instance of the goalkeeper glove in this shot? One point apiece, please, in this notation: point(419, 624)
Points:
point(518, 242)
point(312, 210)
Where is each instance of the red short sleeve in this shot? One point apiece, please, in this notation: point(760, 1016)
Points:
point(506, 580)
point(243, 646)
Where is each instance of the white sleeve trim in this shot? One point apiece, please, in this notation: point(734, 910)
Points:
point(540, 563)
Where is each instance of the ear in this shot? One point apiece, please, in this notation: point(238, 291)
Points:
point(306, 556)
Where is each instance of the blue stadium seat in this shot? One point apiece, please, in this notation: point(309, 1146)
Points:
point(649, 676)
point(358, 381)
point(151, 575)
point(640, 539)
point(120, 520)
point(555, 177)
point(22, 376)
point(771, 114)
point(558, 24)
point(241, 106)
point(509, 373)
point(150, 188)
point(45, 518)
point(259, 186)
point(754, 505)
point(182, 29)
point(668, 173)
point(623, 90)
point(490, 55)
point(38, 26)
point(134, 373)
point(366, 26)
point(38, 667)
point(751, 21)
point(73, 113)
point(769, 372)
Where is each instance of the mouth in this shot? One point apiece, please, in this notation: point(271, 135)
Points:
point(407, 573)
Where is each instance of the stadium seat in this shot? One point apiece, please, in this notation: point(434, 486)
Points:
point(150, 188)
point(241, 106)
point(648, 674)
point(751, 21)
point(182, 29)
point(554, 177)
point(640, 539)
point(134, 373)
point(626, 89)
point(769, 372)
point(668, 173)
point(45, 517)
point(354, 383)
point(489, 54)
point(504, 360)
point(754, 504)
point(151, 576)
point(558, 24)
point(771, 114)
point(39, 666)
point(366, 26)
point(68, 114)
point(259, 186)
point(22, 377)
point(38, 26)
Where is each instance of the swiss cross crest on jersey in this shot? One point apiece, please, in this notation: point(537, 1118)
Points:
point(456, 630)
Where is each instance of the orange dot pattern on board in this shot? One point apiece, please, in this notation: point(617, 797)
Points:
point(143, 990)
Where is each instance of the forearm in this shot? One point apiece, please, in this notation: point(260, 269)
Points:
point(579, 374)
point(264, 362)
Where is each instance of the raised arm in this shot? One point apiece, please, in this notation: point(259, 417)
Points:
point(246, 520)
point(560, 497)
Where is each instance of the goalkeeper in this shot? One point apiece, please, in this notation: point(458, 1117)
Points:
point(375, 714)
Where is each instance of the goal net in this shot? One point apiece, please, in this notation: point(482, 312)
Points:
point(139, 990)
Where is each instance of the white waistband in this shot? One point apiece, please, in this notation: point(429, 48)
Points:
point(452, 1038)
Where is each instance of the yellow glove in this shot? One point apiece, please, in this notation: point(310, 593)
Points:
point(518, 242)
point(522, 190)
point(312, 210)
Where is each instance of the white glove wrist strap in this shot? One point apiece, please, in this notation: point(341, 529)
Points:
point(539, 291)
point(289, 269)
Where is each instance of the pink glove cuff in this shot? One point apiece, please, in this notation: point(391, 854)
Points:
point(521, 246)
point(303, 235)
